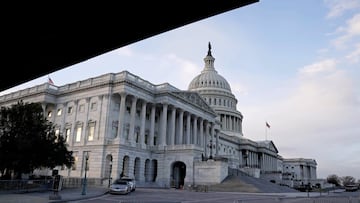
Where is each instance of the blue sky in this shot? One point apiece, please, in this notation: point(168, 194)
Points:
point(295, 64)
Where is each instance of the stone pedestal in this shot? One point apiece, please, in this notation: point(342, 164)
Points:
point(210, 172)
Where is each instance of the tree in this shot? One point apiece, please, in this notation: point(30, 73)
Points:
point(28, 141)
point(348, 180)
point(334, 179)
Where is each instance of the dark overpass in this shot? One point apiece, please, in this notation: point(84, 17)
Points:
point(38, 39)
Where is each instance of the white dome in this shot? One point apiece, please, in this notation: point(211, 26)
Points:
point(209, 79)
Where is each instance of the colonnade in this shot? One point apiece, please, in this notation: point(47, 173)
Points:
point(176, 125)
point(263, 161)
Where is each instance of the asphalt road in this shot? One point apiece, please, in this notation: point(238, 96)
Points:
point(183, 196)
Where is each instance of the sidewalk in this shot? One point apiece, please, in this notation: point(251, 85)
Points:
point(72, 194)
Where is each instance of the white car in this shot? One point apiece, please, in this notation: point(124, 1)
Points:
point(131, 181)
point(120, 187)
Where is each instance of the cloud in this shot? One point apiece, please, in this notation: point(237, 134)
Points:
point(339, 7)
point(321, 109)
point(354, 56)
point(326, 65)
point(347, 33)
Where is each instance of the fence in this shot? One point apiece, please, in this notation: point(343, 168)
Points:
point(25, 185)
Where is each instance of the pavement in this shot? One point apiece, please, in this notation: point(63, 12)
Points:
point(75, 194)
point(65, 195)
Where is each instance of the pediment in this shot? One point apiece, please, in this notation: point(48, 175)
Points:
point(194, 98)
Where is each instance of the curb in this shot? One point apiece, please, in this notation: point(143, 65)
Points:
point(78, 198)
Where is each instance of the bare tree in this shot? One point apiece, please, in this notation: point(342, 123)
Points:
point(348, 180)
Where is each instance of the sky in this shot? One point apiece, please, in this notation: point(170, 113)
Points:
point(294, 64)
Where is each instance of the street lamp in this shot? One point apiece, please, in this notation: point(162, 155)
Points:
point(110, 168)
point(211, 146)
point(86, 168)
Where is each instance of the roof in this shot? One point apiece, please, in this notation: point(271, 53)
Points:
point(42, 38)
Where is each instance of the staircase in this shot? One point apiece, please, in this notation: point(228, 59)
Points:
point(238, 181)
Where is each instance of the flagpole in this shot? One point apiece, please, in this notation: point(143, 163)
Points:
point(265, 133)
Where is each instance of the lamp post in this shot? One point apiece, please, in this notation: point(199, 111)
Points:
point(110, 168)
point(211, 146)
point(86, 168)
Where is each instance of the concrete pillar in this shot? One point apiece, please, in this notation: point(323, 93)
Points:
point(132, 121)
point(188, 128)
point(201, 133)
point(195, 130)
point(121, 115)
point(152, 125)
point(142, 124)
point(172, 126)
point(162, 141)
point(217, 142)
point(181, 125)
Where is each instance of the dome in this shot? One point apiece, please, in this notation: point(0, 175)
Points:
point(209, 78)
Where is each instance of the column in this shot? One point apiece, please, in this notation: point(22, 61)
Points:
point(201, 133)
point(195, 130)
point(152, 125)
point(206, 136)
point(162, 140)
point(181, 125)
point(212, 131)
point(223, 122)
point(101, 99)
point(43, 106)
point(172, 127)
point(231, 123)
point(74, 126)
point(121, 114)
point(132, 120)
point(142, 123)
point(217, 142)
point(188, 128)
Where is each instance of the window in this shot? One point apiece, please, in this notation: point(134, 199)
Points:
point(115, 128)
point(67, 134)
point(91, 131)
point(93, 106)
point(59, 111)
point(57, 133)
point(137, 136)
point(128, 109)
point(49, 114)
point(78, 133)
point(70, 109)
point(81, 108)
point(117, 106)
point(146, 138)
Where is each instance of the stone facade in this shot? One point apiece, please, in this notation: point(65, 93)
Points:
point(299, 171)
point(157, 134)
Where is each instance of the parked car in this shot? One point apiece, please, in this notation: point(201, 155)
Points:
point(351, 187)
point(131, 181)
point(120, 187)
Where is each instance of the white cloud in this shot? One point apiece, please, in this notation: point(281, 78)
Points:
point(339, 7)
point(354, 56)
point(322, 108)
point(347, 33)
point(326, 65)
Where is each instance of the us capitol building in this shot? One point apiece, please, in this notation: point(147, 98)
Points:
point(124, 125)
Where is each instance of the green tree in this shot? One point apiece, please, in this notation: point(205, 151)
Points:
point(334, 179)
point(28, 141)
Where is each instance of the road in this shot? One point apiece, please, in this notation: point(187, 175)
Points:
point(183, 196)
